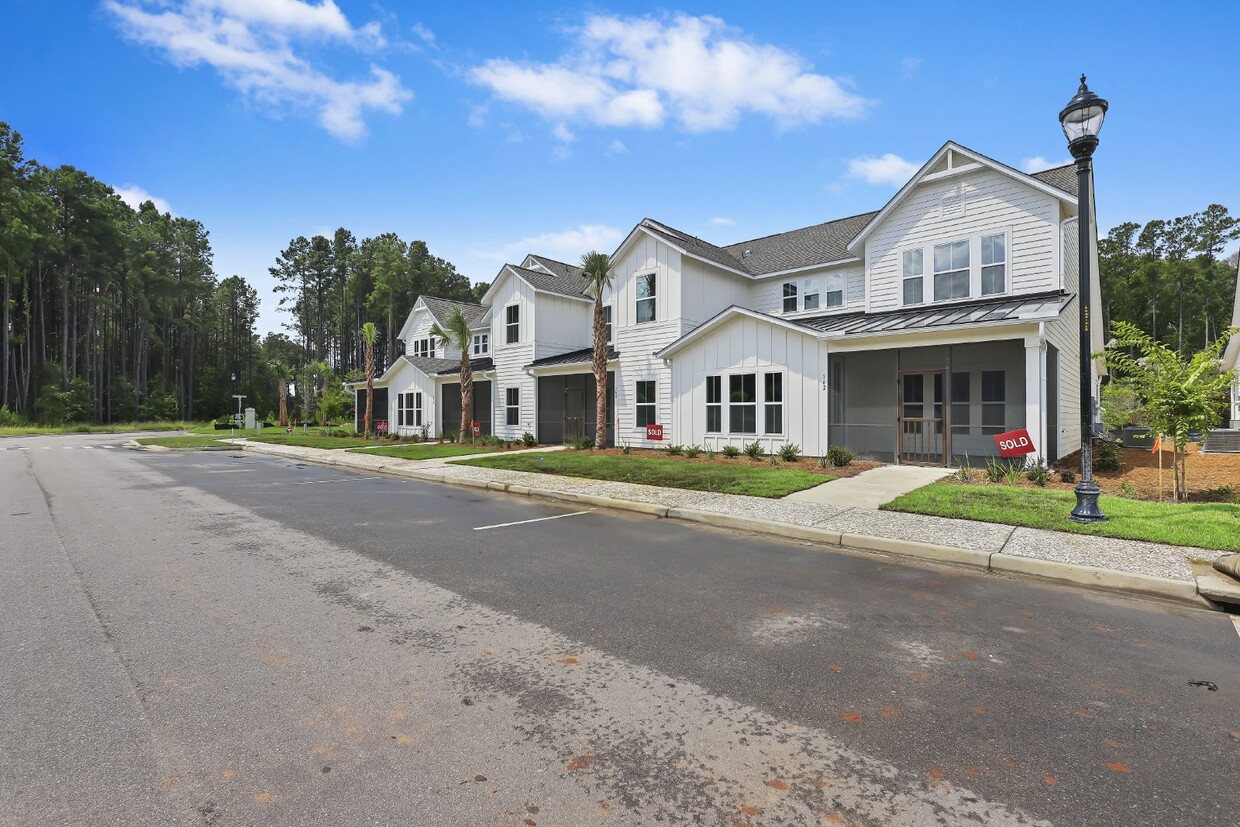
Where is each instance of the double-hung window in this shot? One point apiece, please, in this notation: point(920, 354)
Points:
point(835, 290)
point(607, 322)
point(743, 403)
point(790, 297)
point(482, 344)
point(404, 414)
point(810, 296)
point(512, 324)
point(645, 405)
point(912, 269)
point(773, 403)
point(994, 402)
point(994, 264)
point(424, 347)
point(714, 404)
point(951, 271)
point(512, 406)
point(645, 298)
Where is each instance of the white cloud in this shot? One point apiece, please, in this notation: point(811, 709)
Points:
point(251, 45)
point(1037, 163)
point(616, 147)
point(426, 35)
point(134, 195)
point(566, 245)
point(722, 221)
point(695, 71)
point(887, 169)
point(563, 134)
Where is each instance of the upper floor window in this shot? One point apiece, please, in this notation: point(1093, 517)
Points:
point(913, 277)
point(607, 322)
point(951, 271)
point(994, 264)
point(512, 323)
point(424, 347)
point(645, 298)
point(835, 290)
point(790, 297)
point(482, 344)
point(811, 297)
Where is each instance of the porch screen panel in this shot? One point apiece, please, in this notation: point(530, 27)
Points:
point(869, 403)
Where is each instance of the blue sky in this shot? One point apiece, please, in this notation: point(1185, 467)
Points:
point(490, 130)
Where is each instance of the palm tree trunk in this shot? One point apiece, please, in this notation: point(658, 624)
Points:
point(467, 394)
point(600, 374)
point(370, 387)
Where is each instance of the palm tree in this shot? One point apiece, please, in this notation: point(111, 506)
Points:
point(456, 333)
point(370, 335)
point(282, 374)
point(599, 272)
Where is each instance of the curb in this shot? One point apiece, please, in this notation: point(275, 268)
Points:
point(996, 562)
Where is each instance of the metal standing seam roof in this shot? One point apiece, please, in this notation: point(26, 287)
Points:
point(575, 357)
point(1007, 308)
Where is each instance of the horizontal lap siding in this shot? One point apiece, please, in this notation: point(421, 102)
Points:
point(991, 202)
point(767, 295)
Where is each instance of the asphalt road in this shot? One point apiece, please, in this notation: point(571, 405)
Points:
point(216, 638)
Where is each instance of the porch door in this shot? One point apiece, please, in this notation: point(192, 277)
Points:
point(924, 439)
point(574, 408)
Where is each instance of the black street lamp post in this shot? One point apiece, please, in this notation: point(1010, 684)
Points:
point(1081, 120)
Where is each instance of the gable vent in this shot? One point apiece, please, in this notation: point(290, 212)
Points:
point(953, 203)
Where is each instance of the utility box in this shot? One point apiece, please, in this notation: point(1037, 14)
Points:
point(249, 419)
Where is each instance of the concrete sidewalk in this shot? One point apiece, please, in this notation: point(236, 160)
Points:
point(1100, 562)
point(872, 488)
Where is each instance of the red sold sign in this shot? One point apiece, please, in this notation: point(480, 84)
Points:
point(1014, 443)
point(477, 429)
point(654, 432)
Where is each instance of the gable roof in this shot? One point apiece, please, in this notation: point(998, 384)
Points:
point(820, 244)
point(1063, 178)
point(440, 308)
point(572, 286)
point(558, 268)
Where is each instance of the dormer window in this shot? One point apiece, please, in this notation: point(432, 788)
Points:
point(951, 271)
point(482, 344)
point(424, 348)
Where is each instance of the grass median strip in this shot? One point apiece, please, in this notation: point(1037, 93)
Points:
point(429, 450)
point(184, 442)
point(311, 440)
point(775, 481)
point(1206, 525)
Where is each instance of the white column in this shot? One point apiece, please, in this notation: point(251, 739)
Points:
point(1035, 396)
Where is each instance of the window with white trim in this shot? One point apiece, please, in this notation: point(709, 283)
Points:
point(417, 410)
point(912, 273)
point(404, 409)
point(714, 404)
point(512, 406)
point(482, 344)
point(607, 322)
point(994, 264)
point(424, 348)
point(645, 298)
point(743, 403)
point(790, 296)
point(835, 290)
point(951, 271)
point(512, 323)
point(645, 406)
point(994, 402)
point(810, 295)
point(773, 403)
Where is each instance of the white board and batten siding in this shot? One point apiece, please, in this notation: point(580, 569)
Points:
point(511, 359)
point(562, 325)
point(418, 326)
point(748, 345)
point(408, 379)
point(967, 207)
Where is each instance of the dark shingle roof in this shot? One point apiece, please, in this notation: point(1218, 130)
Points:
point(1061, 178)
point(1034, 305)
point(694, 245)
point(431, 366)
point(559, 268)
point(441, 307)
point(577, 357)
point(573, 285)
point(818, 244)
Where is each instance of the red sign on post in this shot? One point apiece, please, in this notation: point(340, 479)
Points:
point(654, 432)
point(477, 429)
point(1014, 443)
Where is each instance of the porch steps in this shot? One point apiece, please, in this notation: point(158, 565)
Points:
point(1222, 441)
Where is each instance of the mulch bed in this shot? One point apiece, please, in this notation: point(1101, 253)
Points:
point(807, 464)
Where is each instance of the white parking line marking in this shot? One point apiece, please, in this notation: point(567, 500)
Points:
point(337, 479)
point(1235, 621)
point(535, 520)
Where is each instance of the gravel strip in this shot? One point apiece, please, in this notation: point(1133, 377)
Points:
point(1132, 556)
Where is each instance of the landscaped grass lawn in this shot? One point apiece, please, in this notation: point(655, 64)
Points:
point(429, 450)
point(1207, 525)
point(310, 440)
point(185, 442)
point(775, 481)
point(82, 428)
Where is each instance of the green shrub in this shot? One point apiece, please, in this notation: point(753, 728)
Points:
point(710, 453)
point(675, 450)
point(586, 443)
point(10, 419)
point(996, 471)
point(964, 473)
point(731, 451)
point(839, 456)
point(773, 459)
point(1067, 475)
point(528, 440)
point(754, 450)
point(1127, 489)
point(790, 452)
point(1108, 456)
point(626, 448)
point(1038, 473)
point(692, 451)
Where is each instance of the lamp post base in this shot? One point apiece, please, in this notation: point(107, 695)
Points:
point(1087, 510)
